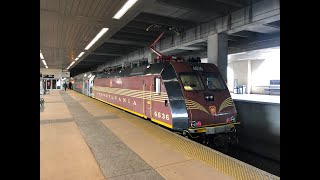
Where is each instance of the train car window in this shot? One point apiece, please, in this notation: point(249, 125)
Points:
point(214, 81)
point(191, 82)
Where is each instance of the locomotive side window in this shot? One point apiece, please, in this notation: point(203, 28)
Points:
point(191, 82)
point(157, 85)
point(214, 81)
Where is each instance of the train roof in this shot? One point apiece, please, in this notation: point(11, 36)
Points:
point(149, 69)
point(137, 71)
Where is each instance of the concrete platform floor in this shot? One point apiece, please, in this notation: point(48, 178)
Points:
point(80, 139)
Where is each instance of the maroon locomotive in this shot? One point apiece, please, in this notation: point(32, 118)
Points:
point(188, 97)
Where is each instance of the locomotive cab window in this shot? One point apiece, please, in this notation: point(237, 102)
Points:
point(214, 81)
point(191, 82)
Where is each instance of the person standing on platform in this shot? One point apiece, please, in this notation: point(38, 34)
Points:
point(65, 86)
point(70, 85)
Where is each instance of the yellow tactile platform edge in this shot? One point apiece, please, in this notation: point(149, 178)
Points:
point(213, 158)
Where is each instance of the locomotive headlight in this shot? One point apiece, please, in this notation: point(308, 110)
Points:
point(209, 97)
point(193, 124)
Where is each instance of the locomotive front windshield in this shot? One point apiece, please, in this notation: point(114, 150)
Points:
point(191, 82)
point(214, 81)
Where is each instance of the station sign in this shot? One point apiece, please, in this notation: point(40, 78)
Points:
point(48, 76)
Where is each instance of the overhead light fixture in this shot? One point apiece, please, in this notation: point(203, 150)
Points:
point(76, 59)
point(80, 54)
point(124, 9)
point(41, 56)
point(89, 76)
point(98, 36)
point(47, 67)
point(72, 63)
point(44, 62)
point(85, 75)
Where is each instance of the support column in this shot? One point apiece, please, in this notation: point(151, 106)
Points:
point(218, 52)
point(151, 57)
point(249, 77)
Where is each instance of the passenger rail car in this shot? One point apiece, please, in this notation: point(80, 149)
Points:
point(191, 98)
point(78, 85)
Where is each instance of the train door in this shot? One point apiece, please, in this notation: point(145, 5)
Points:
point(90, 85)
point(54, 84)
point(48, 84)
point(85, 88)
point(151, 88)
point(147, 96)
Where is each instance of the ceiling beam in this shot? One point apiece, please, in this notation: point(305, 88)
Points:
point(231, 3)
point(133, 38)
point(106, 54)
point(244, 34)
point(203, 6)
point(231, 37)
point(275, 24)
point(189, 48)
point(118, 41)
point(255, 39)
point(142, 36)
point(163, 20)
point(263, 29)
point(254, 45)
point(95, 60)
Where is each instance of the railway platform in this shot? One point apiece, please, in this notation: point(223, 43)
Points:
point(82, 138)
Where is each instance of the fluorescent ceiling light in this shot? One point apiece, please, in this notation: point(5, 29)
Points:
point(72, 63)
point(76, 59)
point(41, 56)
point(98, 36)
point(89, 76)
point(44, 62)
point(85, 75)
point(47, 67)
point(124, 9)
point(80, 54)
